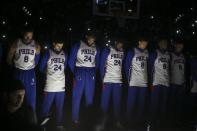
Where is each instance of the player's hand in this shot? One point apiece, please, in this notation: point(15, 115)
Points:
point(151, 87)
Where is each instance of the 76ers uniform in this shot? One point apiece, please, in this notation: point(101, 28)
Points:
point(177, 81)
point(83, 62)
point(160, 79)
point(137, 76)
point(25, 60)
point(53, 65)
point(111, 74)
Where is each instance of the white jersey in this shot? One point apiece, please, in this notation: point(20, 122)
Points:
point(24, 58)
point(161, 69)
point(113, 72)
point(86, 55)
point(177, 69)
point(55, 76)
point(139, 74)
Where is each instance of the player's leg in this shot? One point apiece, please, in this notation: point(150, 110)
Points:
point(141, 102)
point(59, 102)
point(48, 98)
point(164, 101)
point(78, 87)
point(117, 94)
point(89, 87)
point(154, 103)
point(105, 97)
point(131, 102)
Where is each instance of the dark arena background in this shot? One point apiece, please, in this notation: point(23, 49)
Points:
point(128, 20)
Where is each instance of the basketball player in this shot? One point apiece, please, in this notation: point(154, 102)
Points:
point(53, 65)
point(83, 62)
point(159, 62)
point(137, 77)
point(24, 56)
point(111, 74)
point(177, 78)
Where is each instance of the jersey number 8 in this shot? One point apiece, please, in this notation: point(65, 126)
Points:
point(26, 59)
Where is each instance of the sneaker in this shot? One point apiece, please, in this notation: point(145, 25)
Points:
point(60, 128)
point(45, 121)
point(99, 127)
point(119, 125)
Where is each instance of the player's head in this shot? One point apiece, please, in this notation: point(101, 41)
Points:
point(178, 45)
point(119, 44)
point(27, 34)
point(142, 42)
point(15, 95)
point(58, 41)
point(163, 44)
point(90, 38)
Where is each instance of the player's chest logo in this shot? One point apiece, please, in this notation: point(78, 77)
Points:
point(57, 60)
point(26, 51)
point(88, 52)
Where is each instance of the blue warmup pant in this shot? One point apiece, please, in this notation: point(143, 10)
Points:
point(48, 99)
point(28, 78)
point(114, 89)
point(177, 94)
point(159, 99)
point(136, 100)
point(84, 82)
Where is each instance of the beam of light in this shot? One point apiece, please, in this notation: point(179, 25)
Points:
point(4, 36)
point(45, 47)
point(3, 22)
point(129, 10)
point(151, 17)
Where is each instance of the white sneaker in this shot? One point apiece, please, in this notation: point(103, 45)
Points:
point(45, 120)
point(60, 128)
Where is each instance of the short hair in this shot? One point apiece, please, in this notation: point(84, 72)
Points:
point(58, 38)
point(27, 29)
point(91, 34)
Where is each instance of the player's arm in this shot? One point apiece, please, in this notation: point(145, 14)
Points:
point(37, 55)
point(11, 53)
point(97, 57)
point(151, 60)
point(66, 61)
point(103, 58)
point(73, 57)
point(43, 62)
point(127, 64)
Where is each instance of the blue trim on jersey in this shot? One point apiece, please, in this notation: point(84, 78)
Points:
point(43, 62)
point(151, 62)
point(103, 60)
point(127, 66)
